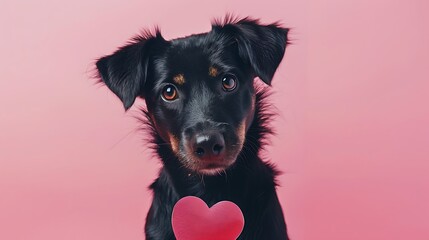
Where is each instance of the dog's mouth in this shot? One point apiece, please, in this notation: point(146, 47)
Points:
point(209, 148)
point(213, 168)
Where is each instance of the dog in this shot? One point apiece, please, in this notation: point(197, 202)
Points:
point(207, 117)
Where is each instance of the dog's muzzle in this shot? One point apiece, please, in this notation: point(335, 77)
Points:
point(208, 146)
point(205, 145)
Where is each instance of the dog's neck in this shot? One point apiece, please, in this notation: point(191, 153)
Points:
point(248, 167)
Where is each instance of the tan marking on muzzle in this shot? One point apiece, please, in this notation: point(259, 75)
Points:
point(174, 141)
point(213, 72)
point(241, 131)
point(179, 79)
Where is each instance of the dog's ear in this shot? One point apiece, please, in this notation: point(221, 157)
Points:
point(261, 46)
point(126, 70)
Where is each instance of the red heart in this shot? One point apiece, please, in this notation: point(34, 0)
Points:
point(193, 220)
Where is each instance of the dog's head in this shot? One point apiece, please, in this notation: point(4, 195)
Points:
point(198, 89)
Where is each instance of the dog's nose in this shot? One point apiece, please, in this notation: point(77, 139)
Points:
point(208, 146)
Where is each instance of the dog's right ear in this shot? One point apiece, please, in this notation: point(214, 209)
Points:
point(125, 71)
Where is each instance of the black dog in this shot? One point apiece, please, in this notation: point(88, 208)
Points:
point(207, 119)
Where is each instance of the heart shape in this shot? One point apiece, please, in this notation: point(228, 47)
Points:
point(192, 219)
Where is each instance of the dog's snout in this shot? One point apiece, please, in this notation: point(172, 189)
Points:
point(208, 145)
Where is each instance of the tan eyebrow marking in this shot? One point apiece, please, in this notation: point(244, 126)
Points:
point(179, 79)
point(213, 72)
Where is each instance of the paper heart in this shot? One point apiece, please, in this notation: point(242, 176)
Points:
point(192, 219)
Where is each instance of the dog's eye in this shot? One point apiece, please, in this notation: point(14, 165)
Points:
point(169, 93)
point(229, 82)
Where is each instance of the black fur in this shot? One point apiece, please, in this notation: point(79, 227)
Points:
point(242, 48)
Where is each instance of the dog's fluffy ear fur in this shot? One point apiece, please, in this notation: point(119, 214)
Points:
point(126, 70)
point(262, 46)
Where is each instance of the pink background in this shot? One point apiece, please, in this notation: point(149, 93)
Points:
point(353, 136)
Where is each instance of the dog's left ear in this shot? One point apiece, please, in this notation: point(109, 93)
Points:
point(262, 46)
